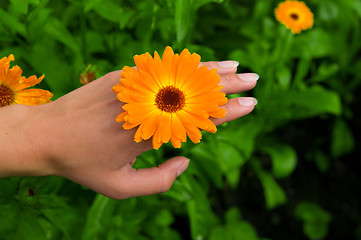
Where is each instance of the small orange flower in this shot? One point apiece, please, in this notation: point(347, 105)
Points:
point(169, 98)
point(295, 15)
point(13, 86)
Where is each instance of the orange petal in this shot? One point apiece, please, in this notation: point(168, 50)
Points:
point(192, 131)
point(150, 125)
point(28, 82)
point(128, 125)
point(178, 129)
point(156, 140)
point(33, 97)
point(121, 116)
point(175, 142)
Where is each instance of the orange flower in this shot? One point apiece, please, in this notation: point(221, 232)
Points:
point(12, 86)
point(169, 98)
point(295, 15)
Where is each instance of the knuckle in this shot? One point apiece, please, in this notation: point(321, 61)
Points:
point(165, 183)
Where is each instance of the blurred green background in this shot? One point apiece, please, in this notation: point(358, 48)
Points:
point(289, 170)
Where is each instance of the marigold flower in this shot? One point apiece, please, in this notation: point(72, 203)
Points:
point(13, 86)
point(295, 15)
point(169, 98)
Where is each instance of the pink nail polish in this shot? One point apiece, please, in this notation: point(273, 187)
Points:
point(228, 64)
point(182, 167)
point(247, 101)
point(248, 77)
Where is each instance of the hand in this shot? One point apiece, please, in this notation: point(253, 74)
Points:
point(79, 139)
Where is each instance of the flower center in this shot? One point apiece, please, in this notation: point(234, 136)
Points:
point(294, 16)
point(6, 96)
point(170, 99)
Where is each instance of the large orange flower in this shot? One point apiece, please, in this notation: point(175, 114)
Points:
point(12, 86)
point(295, 15)
point(169, 98)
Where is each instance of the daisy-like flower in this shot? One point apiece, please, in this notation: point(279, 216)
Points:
point(169, 98)
point(295, 15)
point(13, 86)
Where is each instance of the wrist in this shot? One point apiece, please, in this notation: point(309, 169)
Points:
point(22, 144)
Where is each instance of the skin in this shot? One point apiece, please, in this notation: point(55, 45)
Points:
point(77, 137)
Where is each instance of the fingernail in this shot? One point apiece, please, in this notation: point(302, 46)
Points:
point(228, 64)
point(182, 167)
point(247, 101)
point(249, 77)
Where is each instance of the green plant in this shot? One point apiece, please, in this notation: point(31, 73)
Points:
point(304, 122)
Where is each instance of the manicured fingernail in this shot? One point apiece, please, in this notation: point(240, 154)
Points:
point(228, 64)
point(247, 101)
point(182, 167)
point(249, 77)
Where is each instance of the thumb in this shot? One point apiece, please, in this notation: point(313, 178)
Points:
point(154, 180)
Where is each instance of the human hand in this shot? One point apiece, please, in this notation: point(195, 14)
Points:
point(79, 139)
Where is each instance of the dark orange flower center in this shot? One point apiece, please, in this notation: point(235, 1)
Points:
point(170, 99)
point(294, 16)
point(6, 96)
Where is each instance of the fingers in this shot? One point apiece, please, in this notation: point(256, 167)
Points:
point(236, 108)
point(235, 83)
point(153, 180)
point(223, 67)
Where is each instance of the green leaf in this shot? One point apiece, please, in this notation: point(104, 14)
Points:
point(199, 3)
point(90, 4)
point(164, 218)
point(315, 100)
point(353, 4)
point(232, 215)
point(8, 215)
point(207, 163)
point(234, 228)
point(274, 194)
point(316, 43)
point(40, 58)
point(219, 232)
point(325, 71)
point(304, 104)
point(8, 188)
point(230, 160)
point(242, 57)
point(315, 219)
point(63, 218)
point(283, 75)
point(58, 31)
point(99, 215)
point(20, 6)
point(322, 161)
point(303, 67)
point(112, 11)
point(12, 23)
point(182, 19)
point(242, 230)
point(28, 225)
point(342, 141)
point(284, 159)
point(242, 133)
point(201, 216)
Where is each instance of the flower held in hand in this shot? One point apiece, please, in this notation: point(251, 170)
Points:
point(13, 86)
point(169, 98)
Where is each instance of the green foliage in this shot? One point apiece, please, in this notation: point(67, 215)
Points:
point(315, 219)
point(301, 130)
